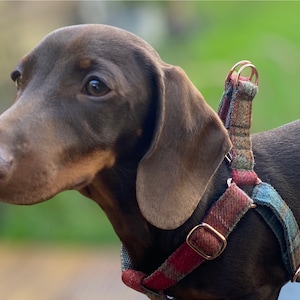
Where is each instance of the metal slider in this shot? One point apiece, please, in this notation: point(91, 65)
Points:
point(296, 275)
point(219, 236)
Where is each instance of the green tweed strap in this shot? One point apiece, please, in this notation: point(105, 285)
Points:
point(282, 221)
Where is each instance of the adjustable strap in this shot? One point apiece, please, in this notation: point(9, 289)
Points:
point(205, 242)
point(235, 111)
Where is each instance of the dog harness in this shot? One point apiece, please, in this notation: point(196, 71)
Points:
point(208, 240)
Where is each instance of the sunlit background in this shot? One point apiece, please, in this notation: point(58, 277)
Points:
point(205, 39)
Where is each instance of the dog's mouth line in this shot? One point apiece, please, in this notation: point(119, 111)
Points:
point(80, 184)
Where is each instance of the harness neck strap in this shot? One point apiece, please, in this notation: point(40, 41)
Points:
point(204, 242)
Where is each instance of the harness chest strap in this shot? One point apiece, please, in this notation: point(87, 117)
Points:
point(204, 242)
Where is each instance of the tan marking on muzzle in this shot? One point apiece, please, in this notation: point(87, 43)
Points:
point(85, 168)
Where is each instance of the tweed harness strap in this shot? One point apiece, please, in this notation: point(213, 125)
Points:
point(208, 240)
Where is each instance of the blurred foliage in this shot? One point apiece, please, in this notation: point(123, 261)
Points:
point(204, 38)
point(262, 32)
point(67, 218)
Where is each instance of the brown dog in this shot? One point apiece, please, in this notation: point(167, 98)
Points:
point(98, 111)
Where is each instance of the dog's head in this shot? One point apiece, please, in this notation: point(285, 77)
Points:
point(91, 95)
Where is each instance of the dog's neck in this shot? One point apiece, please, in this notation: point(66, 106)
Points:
point(115, 192)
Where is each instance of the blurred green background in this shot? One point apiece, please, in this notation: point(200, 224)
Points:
point(204, 38)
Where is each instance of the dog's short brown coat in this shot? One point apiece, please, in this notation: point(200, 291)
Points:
point(97, 110)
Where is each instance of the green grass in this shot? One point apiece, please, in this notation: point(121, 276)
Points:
point(267, 33)
point(67, 218)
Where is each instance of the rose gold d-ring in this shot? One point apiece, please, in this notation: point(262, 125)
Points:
point(236, 66)
point(239, 68)
point(253, 74)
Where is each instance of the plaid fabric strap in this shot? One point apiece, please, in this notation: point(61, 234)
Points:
point(205, 242)
point(235, 111)
point(281, 220)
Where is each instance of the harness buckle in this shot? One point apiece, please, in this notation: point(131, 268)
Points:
point(156, 295)
point(228, 157)
point(296, 275)
point(207, 246)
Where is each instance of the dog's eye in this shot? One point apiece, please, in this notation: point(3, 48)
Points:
point(96, 88)
point(16, 76)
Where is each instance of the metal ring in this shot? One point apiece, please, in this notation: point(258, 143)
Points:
point(237, 65)
point(254, 73)
point(242, 65)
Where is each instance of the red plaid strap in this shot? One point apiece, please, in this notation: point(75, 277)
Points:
point(204, 242)
point(235, 111)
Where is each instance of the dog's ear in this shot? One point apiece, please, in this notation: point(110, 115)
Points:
point(188, 146)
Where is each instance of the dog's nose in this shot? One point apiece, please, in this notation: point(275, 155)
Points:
point(6, 161)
